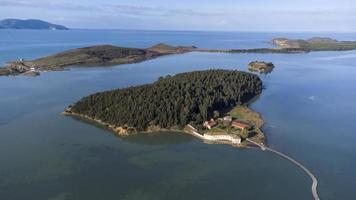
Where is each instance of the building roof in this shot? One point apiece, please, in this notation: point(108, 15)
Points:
point(241, 124)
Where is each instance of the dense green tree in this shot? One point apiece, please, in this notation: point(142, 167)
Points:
point(172, 100)
point(244, 133)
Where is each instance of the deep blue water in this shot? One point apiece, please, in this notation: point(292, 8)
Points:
point(308, 105)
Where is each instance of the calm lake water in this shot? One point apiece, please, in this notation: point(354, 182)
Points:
point(308, 105)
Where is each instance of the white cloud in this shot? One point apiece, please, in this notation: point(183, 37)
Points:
point(226, 17)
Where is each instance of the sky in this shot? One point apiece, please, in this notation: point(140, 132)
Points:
point(210, 15)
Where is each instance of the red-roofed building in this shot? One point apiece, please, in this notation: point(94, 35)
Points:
point(241, 125)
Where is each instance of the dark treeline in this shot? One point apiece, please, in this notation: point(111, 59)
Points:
point(172, 101)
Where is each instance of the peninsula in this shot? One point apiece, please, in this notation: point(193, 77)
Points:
point(29, 24)
point(211, 102)
point(102, 55)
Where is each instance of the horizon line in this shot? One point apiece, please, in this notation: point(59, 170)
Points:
point(187, 30)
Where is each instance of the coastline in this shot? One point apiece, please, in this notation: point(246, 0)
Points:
point(108, 55)
point(119, 130)
point(99, 55)
point(128, 131)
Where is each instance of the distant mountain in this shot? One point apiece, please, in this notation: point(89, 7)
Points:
point(29, 24)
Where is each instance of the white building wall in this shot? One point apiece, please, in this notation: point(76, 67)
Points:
point(222, 137)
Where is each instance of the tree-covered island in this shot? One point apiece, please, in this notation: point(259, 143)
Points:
point(173, 102)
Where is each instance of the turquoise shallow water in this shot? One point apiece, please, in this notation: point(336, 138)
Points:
point(308, 104)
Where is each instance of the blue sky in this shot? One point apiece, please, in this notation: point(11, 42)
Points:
point(218, 15)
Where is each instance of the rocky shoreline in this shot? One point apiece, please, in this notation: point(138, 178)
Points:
point(120, 130)
point(19, 67)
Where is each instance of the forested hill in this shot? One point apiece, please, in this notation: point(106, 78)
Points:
point(171, 101)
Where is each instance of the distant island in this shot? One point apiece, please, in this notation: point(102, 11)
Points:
point(256, 50)
point(211, 102)
point(287, 46)
point(314, 44)
point(29, 24)
point(102, 55)
point(261, 67)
